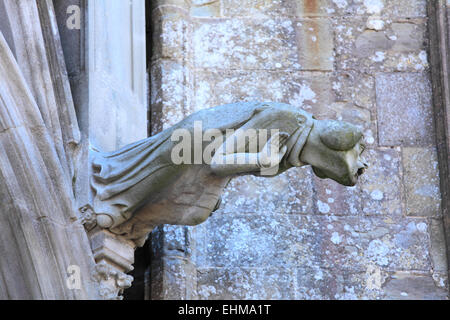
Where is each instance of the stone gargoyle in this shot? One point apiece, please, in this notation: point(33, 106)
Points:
point(145, 184)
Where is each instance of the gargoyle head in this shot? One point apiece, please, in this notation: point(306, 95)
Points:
point(334, 149)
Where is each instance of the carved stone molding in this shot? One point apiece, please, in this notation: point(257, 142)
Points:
point(112, 282)
point(114, 257)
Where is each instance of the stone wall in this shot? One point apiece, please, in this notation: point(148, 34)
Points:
point(296, 236)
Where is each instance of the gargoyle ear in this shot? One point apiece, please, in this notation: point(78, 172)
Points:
point(340, 136)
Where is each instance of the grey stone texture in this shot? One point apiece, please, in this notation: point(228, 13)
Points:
point(297, 236)
point(439, 27)
point(405, 115)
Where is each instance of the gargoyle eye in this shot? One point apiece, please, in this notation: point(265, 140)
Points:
point(339, 135)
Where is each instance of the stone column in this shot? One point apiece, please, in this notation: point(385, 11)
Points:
point(172, 272)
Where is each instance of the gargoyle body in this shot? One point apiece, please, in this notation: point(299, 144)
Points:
point(141, 186)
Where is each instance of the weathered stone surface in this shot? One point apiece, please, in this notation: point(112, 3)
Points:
point(287, 8)
point(319, 8)
point(378, 197)
point(407, 8)
point(407, 286)
point(409, 37)
point(172, 274)
point(334, 199)
point(319, 284)
point(168, 240)
point(404, 109)
point(394, 47)
point(206, 8)
point(380, 285)
point(341, 247)
point(171, 32)
point(438, 34)
point(315, 44)
point(384, 8)
point(301, 89)
point(171, 94)
point(183, 4)
point(354, 86)
point(342, 254)
point(253, 240)
point(421, 179)
point(245, 283)
point(396, 244)
point(282, 241)
point(245, 44)
point(173, 279)
point(438, 245)
point(37, 219)
point(290, 192)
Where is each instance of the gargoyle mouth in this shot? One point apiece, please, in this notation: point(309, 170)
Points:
point(360, 172)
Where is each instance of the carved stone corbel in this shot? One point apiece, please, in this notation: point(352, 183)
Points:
point(114, 257)
point(112, 282)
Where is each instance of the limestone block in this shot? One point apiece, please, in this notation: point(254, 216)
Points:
point(358, 7)
point(398, 46)
point(335, 199)
point(404, 109)
point(349, 112)
point(290, 192)
point(318, 284)
point(421, 178)
point(407, 8)
point(114, 257)
point(171, 240)
point(396, 244)
point(362, 285)
point(438, 258)
point(385, 8)
point(354, 86)
point(340, 244)
point(251, 240)
point(409, 286)
point(182, 4)
point(171, 94)
point(112, 249)
point(408, 37)
point(301, 89)
point(173, 279)
point(206, 8)
point(378, 197)
point(245, 283)
point(315, 44)
point(171, 32)
point(245, 44)
point(376, 284)
point(286, 8)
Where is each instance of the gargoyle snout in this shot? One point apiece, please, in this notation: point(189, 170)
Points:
point(362, 167)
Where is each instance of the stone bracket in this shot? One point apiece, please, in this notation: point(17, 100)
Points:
point(114, 257)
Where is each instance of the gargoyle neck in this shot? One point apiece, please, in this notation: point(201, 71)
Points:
point(298, 141)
